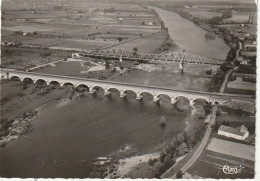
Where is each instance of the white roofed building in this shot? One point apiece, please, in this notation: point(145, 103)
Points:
point(236, 133)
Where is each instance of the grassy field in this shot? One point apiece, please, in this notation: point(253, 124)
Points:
point(238, 150)
point(23, 57)
point(203, 14)
point(31, 28)
point(240, 17)
point(83, 44)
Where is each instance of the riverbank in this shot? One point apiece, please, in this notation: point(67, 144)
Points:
point(156, 161)
point(17, 116)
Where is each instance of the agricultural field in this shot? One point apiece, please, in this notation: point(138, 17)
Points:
point(24, 58)
point(203, 14)
point(83, 44)
point(80, 29)
point(147, 44)
point(31, 28)
point(213, 163)
point(240, 17)
point(238, 150)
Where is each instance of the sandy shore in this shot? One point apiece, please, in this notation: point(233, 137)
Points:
point(126, 165)
point(150, 67)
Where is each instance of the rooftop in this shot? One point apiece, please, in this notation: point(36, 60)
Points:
point(231, 130)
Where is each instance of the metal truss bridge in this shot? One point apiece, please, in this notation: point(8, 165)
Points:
point(137, 55)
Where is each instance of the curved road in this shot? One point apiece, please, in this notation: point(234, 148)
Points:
point(223, 86)
point(197, 152)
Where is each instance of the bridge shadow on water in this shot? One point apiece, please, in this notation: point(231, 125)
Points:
point(164, 104)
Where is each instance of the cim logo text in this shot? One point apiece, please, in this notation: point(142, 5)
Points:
point(231, 169)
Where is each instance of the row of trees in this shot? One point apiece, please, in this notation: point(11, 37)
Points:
point(178, 147)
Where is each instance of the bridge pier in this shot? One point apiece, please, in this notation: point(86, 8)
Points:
point(123, 94)
point(107, 92)
point(173, 101)
point(192, 102)
point(156, 100)
point(139, 97)
point(92, 91)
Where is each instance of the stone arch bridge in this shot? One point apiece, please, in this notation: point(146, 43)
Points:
point(122, 88)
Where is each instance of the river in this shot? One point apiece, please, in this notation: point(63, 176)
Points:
point(191, 38)
point(67, 140)
point(73, 135)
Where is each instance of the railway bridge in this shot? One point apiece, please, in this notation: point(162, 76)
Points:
point(137, 55)
point(128, 54)
point(123, 88)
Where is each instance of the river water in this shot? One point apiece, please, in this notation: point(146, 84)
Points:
point(191, 38)
point(66, 140)
point(73, 135)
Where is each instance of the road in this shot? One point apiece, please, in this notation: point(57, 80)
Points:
point(43, 65)
point(223, 86)
point(199, 150)
point(204, 141)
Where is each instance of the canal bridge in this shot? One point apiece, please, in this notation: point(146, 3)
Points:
point(123, 88)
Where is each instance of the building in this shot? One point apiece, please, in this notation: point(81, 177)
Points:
point(236, 133)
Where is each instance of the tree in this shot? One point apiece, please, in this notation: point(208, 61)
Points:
point(168, 162)
point(135, 50)
point(19, 32)
point(162, 156)
point(120, 39)
point(107, 65)
point(227, 14)
point(179, 174)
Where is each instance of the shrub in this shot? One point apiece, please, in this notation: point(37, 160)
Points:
point(162, 156)
point(162, 169)
point(168, 162)
point(151, 162)
point(179, 174)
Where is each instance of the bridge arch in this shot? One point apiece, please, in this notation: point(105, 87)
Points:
point(54, 83)
point(16, 78)
point(183, 100)
point(83, 87)
point(28, 80)
point(41, 82)
point(130, 93)
point(164, 98)
point(148, 96)
point(98, 89)
point(114, 91)
point(201, 101)
point(67, 84)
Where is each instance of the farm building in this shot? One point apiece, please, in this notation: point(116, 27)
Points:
point(237, 133)
point(250, 46)
point(248, 53)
